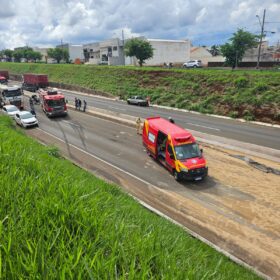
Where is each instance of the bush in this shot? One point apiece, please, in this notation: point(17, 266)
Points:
point(233, 114)
point(248, 115)
point(260, 87)
point(241, 82)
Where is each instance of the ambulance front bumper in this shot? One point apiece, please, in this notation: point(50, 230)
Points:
point(195, 174)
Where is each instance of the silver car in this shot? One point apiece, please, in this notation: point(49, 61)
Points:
point(192, 64)
point(138, 100)
point(10, 110)
point(26, 119)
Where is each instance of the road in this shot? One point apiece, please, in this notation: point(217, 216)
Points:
point(233, 129)
point(229, 128)
point(236, 208)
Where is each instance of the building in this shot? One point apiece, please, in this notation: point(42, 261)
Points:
point(267, 54)
point(169, 51)
point(111, 52)
point(75, 51)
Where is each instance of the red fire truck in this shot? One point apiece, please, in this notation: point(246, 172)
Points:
point(53, 102)
point(175, 148)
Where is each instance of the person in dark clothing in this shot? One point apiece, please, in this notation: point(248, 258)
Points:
point(79, 104)
point(171, 120)
point(85, 106)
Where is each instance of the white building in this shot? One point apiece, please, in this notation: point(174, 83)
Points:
point(111, 52)
point(75, 52)
point(169, 51)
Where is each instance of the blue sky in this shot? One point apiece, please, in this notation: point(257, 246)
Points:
point(45, 23)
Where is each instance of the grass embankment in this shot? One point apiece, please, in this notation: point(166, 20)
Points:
point(252, 95)
point(60, 222)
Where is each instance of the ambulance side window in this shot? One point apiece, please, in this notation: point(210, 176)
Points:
point(151, 137)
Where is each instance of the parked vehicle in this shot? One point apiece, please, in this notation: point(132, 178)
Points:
point(175, 148)
point(53, 102)
point(26, 119)
point(3, 80)
point(11, 95)
point(4, 76)
point(192, 64)
point(33, 82)
point(138, 100)
point(10, 110)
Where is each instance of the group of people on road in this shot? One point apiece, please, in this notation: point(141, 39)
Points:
point(78, 104)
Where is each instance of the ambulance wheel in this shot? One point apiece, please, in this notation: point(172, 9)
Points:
point(177, 176)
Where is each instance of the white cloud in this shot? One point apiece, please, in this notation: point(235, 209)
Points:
point(47, 22)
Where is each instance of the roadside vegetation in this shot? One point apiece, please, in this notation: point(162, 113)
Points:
point(253, 95)
point(58, 221)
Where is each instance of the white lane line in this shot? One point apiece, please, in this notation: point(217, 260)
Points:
point(113, 107)
point(194, 124)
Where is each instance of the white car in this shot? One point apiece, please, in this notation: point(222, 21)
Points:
point(10, 110)
point(192, 64)
point(26, 119)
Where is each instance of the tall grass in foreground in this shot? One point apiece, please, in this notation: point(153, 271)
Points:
point(60, 222)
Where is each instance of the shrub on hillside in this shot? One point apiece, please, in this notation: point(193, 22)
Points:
point(241, 82)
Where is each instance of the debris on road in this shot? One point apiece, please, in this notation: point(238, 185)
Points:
point(257, 165)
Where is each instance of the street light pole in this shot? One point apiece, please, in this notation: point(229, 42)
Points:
point(260, 44)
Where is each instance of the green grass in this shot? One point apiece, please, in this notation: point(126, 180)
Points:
point(229, 90)
point(58, 221)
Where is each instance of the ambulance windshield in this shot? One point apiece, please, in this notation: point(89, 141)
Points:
point(187, 151)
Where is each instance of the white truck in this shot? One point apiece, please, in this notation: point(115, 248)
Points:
point(11, 95)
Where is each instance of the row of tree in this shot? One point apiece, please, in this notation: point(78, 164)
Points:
point(29, 54)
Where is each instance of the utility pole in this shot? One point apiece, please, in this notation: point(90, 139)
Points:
point(260, 44)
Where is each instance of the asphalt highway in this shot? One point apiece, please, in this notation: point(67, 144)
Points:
point(232, 129)
point(209, 208)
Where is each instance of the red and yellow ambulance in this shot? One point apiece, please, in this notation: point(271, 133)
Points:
point(175, 148)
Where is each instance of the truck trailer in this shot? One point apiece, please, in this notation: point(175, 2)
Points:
point(33, 82)
point(4, 76)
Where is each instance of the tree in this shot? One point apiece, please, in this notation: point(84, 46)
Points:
point(18, 55)
point(215, 50)
point(139, 48)
point(59, 54)
point(9, 54)
point(37, 56)
point(239, 43)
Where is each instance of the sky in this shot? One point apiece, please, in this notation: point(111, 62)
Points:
point(47, 23)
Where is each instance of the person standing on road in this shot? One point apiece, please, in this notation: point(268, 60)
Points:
point(138, 126)
point(85, 106)
point(79, 104)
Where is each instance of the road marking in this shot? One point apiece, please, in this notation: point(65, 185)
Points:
point(217, 129)
point(113, 107)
